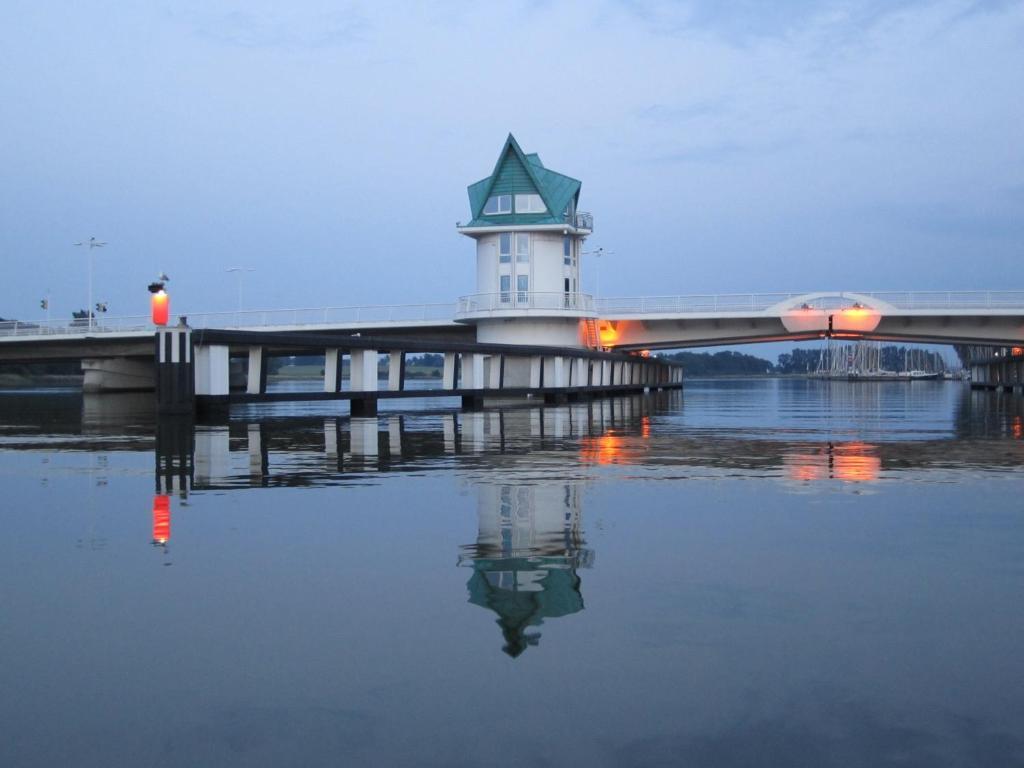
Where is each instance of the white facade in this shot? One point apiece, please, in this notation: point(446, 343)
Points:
point(533, 261)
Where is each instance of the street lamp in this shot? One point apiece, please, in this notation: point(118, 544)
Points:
point(92, 242)
point(598, 253)
point(238, 272)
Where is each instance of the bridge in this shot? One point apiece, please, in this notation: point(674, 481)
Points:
point(626, 324)
point(529, 329)
point(117, 353)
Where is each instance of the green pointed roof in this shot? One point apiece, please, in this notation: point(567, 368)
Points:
point(516, 173)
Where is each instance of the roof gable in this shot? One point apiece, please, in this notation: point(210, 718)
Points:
point(518, 173)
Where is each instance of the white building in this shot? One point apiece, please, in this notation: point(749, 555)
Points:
point(529, 238)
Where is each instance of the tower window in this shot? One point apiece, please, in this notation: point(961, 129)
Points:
point(567, 250)
point(522, 288)
point(522, 248)
point(505, 247)
point(498, 204)
point(530, 204)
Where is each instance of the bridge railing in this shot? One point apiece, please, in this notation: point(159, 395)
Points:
point(253, 318)
point(759, 302)
point(723, 302)
point(386, 313)
point(479, 304)
point(76, 326)
point(951, 299)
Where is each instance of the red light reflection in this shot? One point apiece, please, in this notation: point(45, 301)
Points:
point(161, 519)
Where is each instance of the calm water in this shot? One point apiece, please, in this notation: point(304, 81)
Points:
point(752, 573)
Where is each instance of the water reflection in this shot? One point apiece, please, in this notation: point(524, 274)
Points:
point(525, 560)
point(652, 432)
point(852, 462)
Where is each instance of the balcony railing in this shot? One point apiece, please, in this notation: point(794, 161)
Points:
point(580, 220)
point(504, 301)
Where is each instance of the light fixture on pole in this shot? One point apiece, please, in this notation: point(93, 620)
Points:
point(598, 253)
point(238, 272)
point(92, 242)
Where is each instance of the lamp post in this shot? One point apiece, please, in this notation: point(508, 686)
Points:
point(92, 242)
point(598, 253)
point(239, 272)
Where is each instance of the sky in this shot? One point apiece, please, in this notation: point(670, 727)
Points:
point(724, 147)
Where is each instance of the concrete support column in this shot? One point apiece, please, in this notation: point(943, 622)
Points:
point(559, 379)
point(548, 367)
point(363, 370)
point(472, 371)
point(332, 370)
point(212, 369)
point(256, 379)
point(396, 371)
point(606, 373)
point(536, 371)
point(496, 374)
point(448, 375)
point(580, 369)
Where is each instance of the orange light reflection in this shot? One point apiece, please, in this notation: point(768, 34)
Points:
point(849, 462)
point(603, 450)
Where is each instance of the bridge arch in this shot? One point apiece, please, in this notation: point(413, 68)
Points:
point(831, 300)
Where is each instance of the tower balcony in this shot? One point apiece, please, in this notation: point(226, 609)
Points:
point(578, 223)
point(525, 304)
point(580, 220)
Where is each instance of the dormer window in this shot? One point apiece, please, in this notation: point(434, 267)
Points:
point(530, 204)
point(498, 204)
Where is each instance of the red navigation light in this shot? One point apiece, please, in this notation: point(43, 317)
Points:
point(161, 306)
point(1017, 351)
point(161, 519)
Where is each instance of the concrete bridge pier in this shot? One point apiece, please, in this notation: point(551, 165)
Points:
point(175, 371)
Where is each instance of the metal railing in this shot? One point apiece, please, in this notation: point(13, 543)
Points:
point(695, 303)
point(503, 301)
point(759, 302)
point(252, 318)
point(951, 299)
point(580, 220)
point(485, 303)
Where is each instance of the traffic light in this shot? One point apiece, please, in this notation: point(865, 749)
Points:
point(101, 306)
point(44, 303)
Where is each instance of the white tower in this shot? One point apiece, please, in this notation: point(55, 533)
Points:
point(529, 237)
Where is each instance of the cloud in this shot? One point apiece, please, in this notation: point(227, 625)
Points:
point(274, 28)
point(723, 152)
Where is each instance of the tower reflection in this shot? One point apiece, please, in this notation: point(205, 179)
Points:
point(526, 557)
